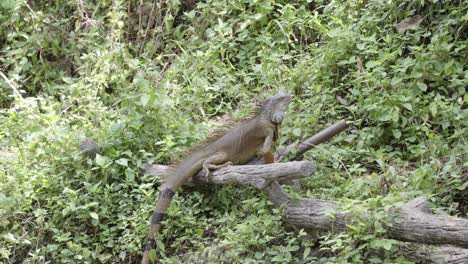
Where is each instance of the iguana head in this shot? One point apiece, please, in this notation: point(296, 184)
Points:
point(274, 107)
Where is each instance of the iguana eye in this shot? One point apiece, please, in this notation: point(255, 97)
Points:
point(278, 118)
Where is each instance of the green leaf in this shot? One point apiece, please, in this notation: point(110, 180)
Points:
point(130, 174)
point(395, 81)
point(372, 64)
point(122, 161)
point(408, 106)
point(9, 237)
point(145, 99)
point(422, 86)
point(306, 252)
point(396, 133)
point(293, 248)
point(433, 109)
point(190, 14)
point(257, 16)
point(160, 245)
point(94, 215)
point(101, 160)
point(388, 243)
point(35, 129)
point(152, 255)
point(8, 4)
point(297, 132)
point(86, 252)
point(278, 258)
point(463, 187)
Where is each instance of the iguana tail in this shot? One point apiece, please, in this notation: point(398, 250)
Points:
point(165, 198)
point(186, 169)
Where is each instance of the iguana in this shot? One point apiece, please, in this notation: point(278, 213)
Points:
point(237, 146)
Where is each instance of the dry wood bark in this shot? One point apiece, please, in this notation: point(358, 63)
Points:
point(255, 175)
point(411, 222)
point(429, 254)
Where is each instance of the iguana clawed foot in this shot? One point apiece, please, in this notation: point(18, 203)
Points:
point(208, 167)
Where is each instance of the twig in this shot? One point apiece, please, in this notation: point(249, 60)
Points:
point(84, 15)
point(320, 137)
point(12, 85)
point(361, 70)
point(140, 26)
point(150, 21)
point(33, 14)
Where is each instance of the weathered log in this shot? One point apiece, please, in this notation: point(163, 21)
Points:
point(430, 254)
point(255, 175)
point(162, 171)
point(412, 222)
point(258, 175)
point(418, 224)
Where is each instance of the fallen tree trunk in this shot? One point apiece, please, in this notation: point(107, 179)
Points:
point(413, 222)
point(422, 225)
point(430, 254)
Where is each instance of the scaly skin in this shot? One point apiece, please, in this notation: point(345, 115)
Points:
point(237, 146)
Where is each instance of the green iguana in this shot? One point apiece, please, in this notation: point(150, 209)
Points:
point(237, 146)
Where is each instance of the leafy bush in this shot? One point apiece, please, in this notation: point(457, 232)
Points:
point(147, 82)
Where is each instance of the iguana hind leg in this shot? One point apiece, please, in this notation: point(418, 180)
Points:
point(214, 162)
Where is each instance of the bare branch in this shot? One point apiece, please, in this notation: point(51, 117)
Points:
point(320, 137)
point(309, 143)
point(12, 85)
point(85, 18)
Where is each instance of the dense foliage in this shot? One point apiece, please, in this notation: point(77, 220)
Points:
point(148, 79)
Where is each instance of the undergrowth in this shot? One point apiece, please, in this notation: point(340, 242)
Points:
point(147, 81)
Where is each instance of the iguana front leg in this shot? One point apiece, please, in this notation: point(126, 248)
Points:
point(267, 154)
point(267, 157)
point(214, 162)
